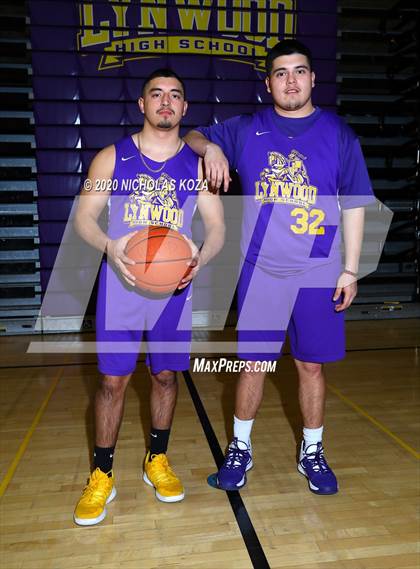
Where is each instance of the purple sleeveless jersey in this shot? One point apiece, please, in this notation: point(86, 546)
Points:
point(141, 197)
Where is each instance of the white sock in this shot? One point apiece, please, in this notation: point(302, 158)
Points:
point(312, 436)
point(242, 430)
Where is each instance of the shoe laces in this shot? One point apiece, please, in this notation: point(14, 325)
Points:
point(160, 469)
point(235, 456)
point(316, 458)
point(97, 488)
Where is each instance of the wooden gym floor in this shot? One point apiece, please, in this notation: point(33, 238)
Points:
point(371, 439)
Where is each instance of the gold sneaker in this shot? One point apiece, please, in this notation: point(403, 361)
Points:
point(159, 474)
point(100, 490)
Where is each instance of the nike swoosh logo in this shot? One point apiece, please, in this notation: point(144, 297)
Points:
point(258, 133)
point(155, 436)
point(124, 158)
point(189, 297)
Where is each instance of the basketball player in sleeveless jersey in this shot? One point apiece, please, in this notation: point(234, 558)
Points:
point(142, 176)
point(301, 169)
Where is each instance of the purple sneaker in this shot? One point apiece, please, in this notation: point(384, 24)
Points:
point(238, 460)
point(312, 464)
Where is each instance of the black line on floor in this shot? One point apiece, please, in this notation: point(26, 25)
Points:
point(208, 356)
point(252, 543)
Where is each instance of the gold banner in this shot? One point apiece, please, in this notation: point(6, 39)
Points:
point(132, 48)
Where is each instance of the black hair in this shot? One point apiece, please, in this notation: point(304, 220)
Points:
point(287, 47)
point(163, 72)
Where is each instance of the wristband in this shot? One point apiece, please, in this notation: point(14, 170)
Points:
point(350, 273)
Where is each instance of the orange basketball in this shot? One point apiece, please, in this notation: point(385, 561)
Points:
point(161, 256)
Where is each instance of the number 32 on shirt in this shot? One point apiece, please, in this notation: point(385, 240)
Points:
point(307, 221)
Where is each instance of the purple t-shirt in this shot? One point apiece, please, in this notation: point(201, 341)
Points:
point(296, 174)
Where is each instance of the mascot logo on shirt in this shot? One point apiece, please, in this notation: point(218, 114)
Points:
point(154, 202)
point(285, 181)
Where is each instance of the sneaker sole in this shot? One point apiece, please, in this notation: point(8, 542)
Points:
point(166, 499)
point(97, 520)
point(312, 487)
point(241, 483)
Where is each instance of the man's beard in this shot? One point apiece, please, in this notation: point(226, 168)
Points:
point(165, 123)
point(294, 105)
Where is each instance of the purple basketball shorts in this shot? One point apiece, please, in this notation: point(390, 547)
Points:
point(271, 306)
point(125, 317)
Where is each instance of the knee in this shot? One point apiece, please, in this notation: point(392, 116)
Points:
point(311, 370)
point(252, 370)
point(113, 387)
point(165, 379)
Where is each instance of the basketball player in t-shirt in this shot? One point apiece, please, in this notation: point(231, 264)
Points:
point(144, 172)
point(301, 170)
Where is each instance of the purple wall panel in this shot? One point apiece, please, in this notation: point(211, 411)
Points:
point(51, 233)
point(107, 89)
point(52, 38)
point(58, 64)
point(87, 157)
point(66, 88)
point(58, 161)
point(98, 112)
point(55, 112)
point(132, 113)
point(57, 136)
point(55, 210)
point(99, 136)
point(47, 256)
point(65, 13)
point(56, 185)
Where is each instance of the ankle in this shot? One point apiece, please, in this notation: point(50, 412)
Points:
point(159, 439)
point(103, 458)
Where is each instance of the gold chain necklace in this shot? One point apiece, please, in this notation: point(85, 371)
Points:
point(156, 171)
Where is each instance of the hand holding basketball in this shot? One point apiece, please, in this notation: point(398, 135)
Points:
point(194, 264)
point(115, 250)
point(160, 257)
